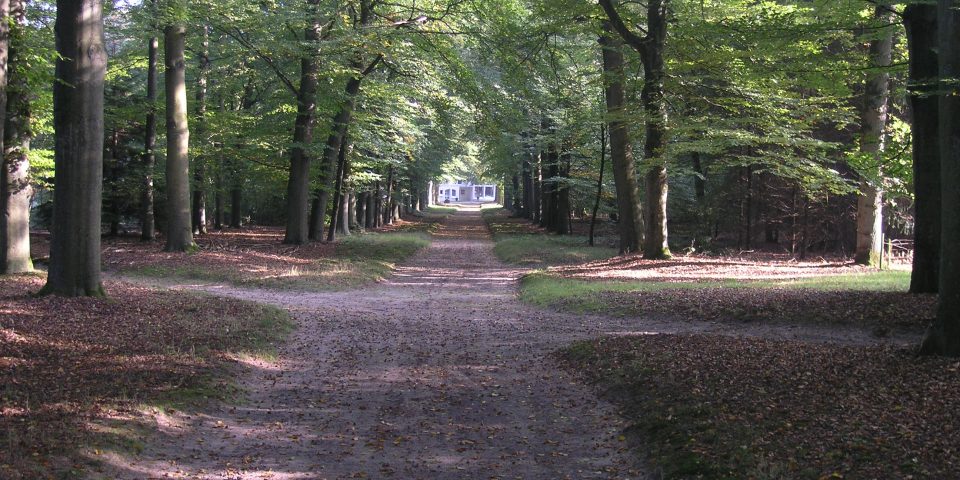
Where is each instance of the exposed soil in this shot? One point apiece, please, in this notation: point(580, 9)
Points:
point(439, 372)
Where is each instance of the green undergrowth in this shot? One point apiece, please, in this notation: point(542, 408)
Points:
point(518, 242)
point(875, 299)
point(544, 289)
point(356, 260)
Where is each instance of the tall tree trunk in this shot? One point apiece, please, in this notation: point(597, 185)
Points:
point(370, 211)
point(629, 220)
point(548, 186)
point(236, 207)
point(332, 149)
point(943, 337)
point(336, 216)
point(527, 184)
point(596, 202)
point(298, 183)
point(651, 49)
point(537, 189)
point(15, 190)
point(78, 150)
point(199, 207)
point(920, 21)
point(352, 224)
point(873, 121)
point(563, 225)
point(147, 223)
point(219, 201)
point(388, 211)
point(361, 210)
point(179, 233)
point(516, 197)
point(655, 244)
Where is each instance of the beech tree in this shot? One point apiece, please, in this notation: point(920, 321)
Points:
point(298, 185)
point(873, 121)
point(179, 232)
point(920, 21)
point(651, 49)
point(78, 124)
point(943, 337)
point(621, 150)
point(147, 220)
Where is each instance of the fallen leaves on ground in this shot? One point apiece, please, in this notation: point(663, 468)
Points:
point(721, 407)
point(65, 362)
point(254, 256)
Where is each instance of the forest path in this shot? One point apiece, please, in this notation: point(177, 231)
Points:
point(439, 372)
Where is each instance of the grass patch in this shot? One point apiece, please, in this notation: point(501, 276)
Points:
point(354, 261)
point(440, 210)
point(716, 407)
point(869, 300)
point(519, 242)
point(540, 250)
point(69, 366)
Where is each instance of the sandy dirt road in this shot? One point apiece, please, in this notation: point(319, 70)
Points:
point(438, 373)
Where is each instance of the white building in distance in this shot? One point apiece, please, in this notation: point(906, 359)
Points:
point(465, 192)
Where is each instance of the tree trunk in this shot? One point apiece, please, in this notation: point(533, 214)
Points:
point(388, 211)
point(361, 209)
point(651, 49)
point(15, 189)
point(873, 121)
point(337, 216)
point(78, 150)
point(655, 244)
point(516, 200)
point(921, 24)
point(596, 202)
point(943, 337)
point(179, 233)
point(219, 202)
point(236, 207)
point(352, 212)
point(370, 211)
point(537, 190)
point(147, 223)
point(199, 207)
point(629, 220)
point(298, 183)
point(563, 224)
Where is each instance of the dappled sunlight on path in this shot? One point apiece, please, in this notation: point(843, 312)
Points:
point(438, 372)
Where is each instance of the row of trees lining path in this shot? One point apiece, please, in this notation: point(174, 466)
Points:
point(446, 375)
point(372, 39)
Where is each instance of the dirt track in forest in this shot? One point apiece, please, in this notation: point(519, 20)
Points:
point(439, 372)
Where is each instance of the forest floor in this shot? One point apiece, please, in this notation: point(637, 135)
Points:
point(442, 371)
point(77, 373)
point(255, 256)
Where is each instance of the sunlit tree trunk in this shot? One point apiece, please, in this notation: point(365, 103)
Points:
point(15, 190)
point(179, 232)
point(943, 337)
point(78, 150)
point(630, 222)
point(920, 21)
point(873, 121)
